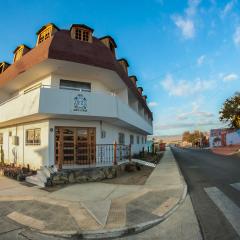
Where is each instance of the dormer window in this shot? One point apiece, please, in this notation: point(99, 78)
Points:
point(109, 42)
point(44, 35)
point(124, 63)
point(18, 54)
point(140, 90)
point(81, 32)
point(3, 66)
point(82, 35)
point(134, 80)
point(20, 51)
point(46, 32)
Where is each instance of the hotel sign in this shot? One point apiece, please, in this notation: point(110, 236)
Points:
point(80, 103)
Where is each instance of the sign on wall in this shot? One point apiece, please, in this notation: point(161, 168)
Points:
point(80, 103)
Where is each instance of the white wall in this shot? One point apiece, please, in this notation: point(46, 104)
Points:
point(111, 134)
point(23, 154)
point(44, 154)
point(233, 138)
point(96, 86)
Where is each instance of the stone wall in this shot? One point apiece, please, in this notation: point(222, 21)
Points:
point(85, 175)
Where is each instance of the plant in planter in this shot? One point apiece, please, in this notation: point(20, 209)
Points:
point(2, 155)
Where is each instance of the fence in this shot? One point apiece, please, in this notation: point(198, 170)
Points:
point(97, 154)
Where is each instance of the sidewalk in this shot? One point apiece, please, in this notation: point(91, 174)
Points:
point(96, 210)
point(227, 150)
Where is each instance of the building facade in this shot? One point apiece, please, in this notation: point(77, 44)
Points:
point(224, 137)
point(69, 99)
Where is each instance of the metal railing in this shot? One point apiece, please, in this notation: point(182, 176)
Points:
point(94, 155)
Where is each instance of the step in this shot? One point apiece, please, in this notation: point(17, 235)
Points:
point(35, 180)
point(42, 176)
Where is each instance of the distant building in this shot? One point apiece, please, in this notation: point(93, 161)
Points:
point(224, 137)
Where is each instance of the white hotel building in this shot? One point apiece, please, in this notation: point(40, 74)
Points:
point(68, 99)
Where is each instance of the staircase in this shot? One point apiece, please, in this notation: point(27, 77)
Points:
point(42, 176)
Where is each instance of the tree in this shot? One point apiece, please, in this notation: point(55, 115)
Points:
point(230, 111)
point(186, 136)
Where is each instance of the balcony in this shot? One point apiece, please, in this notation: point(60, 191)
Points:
point(47, 101)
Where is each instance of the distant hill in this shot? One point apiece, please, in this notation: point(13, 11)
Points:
point(168, 138)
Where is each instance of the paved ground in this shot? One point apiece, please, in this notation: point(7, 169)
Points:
point(87, 207)
point(181, 225)
point(214, 187)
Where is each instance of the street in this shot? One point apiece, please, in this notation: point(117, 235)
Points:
point(214, 187)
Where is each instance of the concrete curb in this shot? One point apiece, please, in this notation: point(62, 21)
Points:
point(121, 232)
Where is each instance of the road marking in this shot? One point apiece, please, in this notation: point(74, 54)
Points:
point(236, 186)
point(230, 210)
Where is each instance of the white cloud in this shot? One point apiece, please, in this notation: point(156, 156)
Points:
point(195, 113)
point(230, 77)
point(183, 87)
point(228, 8)
point(236, 36)
point(186, 22)
point(152, 104)
point(186, 26)
point(192, 7)
point(200, 60)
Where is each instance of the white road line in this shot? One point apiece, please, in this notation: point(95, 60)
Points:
point(230, 210)
point(236, 186)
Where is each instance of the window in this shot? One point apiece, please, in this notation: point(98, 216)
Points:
point(1, 138)
point(85, 36)
point(131, 139)
point(112, 48)
point(45, 34)
point(82, 35)
point(1, 68)
point(121, 138)
point(74, 85)
point(33, 136)
point(138, 140)
point(103, 134)
point(142, 140)
point(18, 54)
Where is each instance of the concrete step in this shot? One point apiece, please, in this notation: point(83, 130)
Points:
point(35, 180)
point(42, 176)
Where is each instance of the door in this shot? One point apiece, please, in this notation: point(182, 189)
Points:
point(75, 146)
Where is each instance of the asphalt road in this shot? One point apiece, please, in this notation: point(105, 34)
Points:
point(214, 188)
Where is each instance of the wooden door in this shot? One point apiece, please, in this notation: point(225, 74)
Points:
point(86, 146)
point(75, 146)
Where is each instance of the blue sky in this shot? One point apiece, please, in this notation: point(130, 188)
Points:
point(186, 54)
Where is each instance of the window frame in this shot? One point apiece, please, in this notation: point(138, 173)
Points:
point(45, 34)
point(18, 54)
point(63, 84)
point(82, 34)
point(121, 138)
point(131, 139)
point(36, 141)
